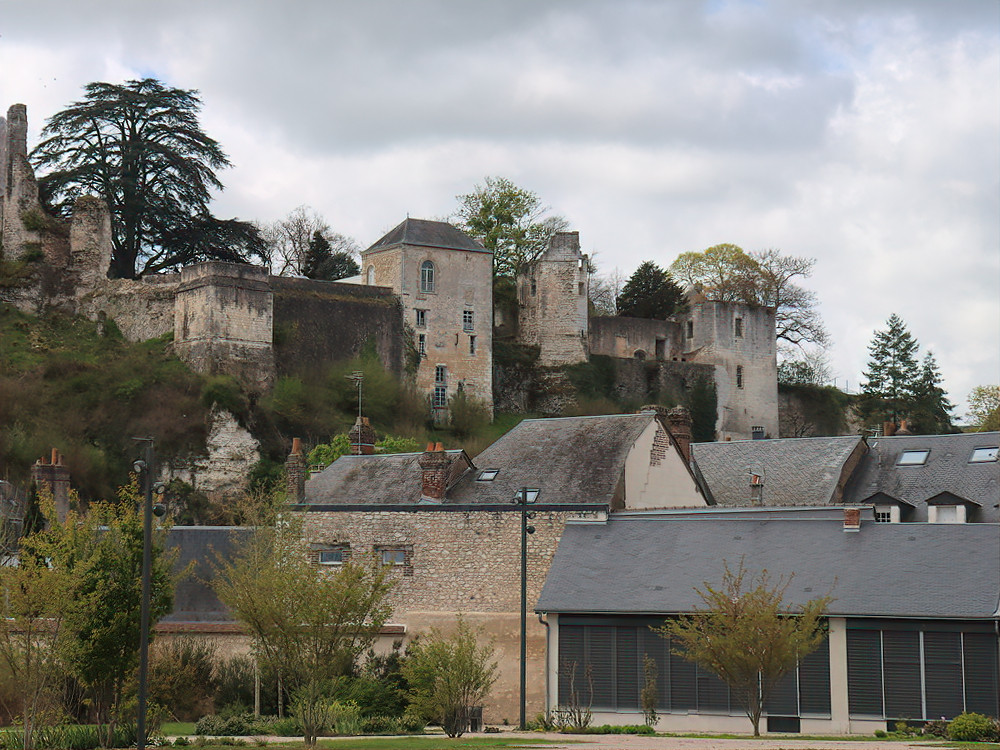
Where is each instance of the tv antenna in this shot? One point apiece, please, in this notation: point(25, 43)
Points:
point(358, 378)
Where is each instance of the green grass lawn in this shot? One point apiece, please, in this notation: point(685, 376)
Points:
point(176, 728)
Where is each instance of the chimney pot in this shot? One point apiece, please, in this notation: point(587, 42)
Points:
point(362, 438)
point(295, 473)
point(679, 423)
point(435, 466)
point(296, 445)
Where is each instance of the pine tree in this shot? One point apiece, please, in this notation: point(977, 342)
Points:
point(931, 413)
point(651, 292)
point(317, 255)
point(889, 390)
point(324, 263)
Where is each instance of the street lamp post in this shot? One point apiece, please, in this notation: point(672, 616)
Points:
point(522, 500)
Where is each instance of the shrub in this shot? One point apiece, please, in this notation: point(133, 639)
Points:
point(936, 728)
point(216, 726)
point(346, 718)
point(971, 727)
point(181, 677)
point(381, 725)
point(880, 733)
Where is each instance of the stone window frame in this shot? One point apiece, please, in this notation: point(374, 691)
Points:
point(422, 344)
point(420, 317)
point(738, 327)
point(534, 286)
point(468, 320)
point(440, 397)
point(441, 374)
point(472, 345)
point(370, 276)
point(579, 288)
point(428, 274)
point(406, 566)
point(739, 376)
point(690, 329)
point(317, 550)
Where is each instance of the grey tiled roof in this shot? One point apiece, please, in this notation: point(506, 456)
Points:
point(202, 547)
point(428, 234)
point(570, 460)
point(947, 469)
point(797, 471)
point(652, 565)
point(391, 479)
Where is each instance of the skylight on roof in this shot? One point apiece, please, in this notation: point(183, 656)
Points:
point(488, 475)
point(983, 455)
point(913, 458)
point(530, 495)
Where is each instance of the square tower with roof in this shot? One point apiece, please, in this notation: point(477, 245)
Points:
point(444, 279)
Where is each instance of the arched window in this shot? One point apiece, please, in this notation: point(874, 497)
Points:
point(371, 276)
point(426, 276)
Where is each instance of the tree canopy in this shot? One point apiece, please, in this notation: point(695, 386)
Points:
point(510, 221)
point(767, 278)
point(650, 292)
point(896, 387)
point(324, 263)
point(303, 244)
point(139, 147)
point(747, 635)
point(984, 407)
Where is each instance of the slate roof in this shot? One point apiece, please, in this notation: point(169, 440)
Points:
point(652, 564)
point(947, 469)
point(390, 479)
point(797, 471)
point(426, 233)
point(570, 460)
point(201, 547)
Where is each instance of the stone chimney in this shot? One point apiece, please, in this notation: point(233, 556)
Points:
point(888, 429)
point(434, 464)
point(54, 476)
point(362, 438)
point(679, 423)
point(852, 519)
point(904, 428)
point(295, 471)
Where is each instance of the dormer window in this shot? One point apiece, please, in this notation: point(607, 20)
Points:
point(913, 458)
point(487, 475)
point(983, 455)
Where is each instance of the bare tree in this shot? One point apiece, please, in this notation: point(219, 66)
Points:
point(287, 241)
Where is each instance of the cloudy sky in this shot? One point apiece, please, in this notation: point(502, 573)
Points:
point(862, 133)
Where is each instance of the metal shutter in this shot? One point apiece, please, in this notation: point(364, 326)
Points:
point(783, 700)
point(571, 665)
point(943, 674)
point(814, 682)
point(713, 693)
point(980, 652)
point(628, 668)
point(658, 649)
point(864, 672)
point(600, 652)
point(901, 670)
point(683, 686)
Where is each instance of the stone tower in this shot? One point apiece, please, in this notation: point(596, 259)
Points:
point(553, 293)
point(444, 279)
point(18, 189)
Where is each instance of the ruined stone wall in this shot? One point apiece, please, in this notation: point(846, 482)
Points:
point(459, 561)
point(553, 295)
point(142, 309)
point(317, 323)
point(223, 321)
point(639, 338)
point(463, 283)
point(739, 340)
point(20, 191)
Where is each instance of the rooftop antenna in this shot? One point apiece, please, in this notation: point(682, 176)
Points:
point(357, 377)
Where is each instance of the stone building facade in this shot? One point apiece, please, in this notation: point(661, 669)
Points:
point(444, 280)
point(553, 295)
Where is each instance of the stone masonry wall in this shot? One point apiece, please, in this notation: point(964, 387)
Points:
point(142, 309)
point(628, 337)
point(464, 561)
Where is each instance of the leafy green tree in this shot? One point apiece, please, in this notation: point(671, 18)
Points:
point(703, 404)
point(889, 390)
point(103, 623)
point(747, 636)
point(325, 454)
point(650, 292)
point(139, 147)
point(448, 674)
point(510, 222)
point(307, 624)
point(984, 407)
point(931, 411)
point(767, 278)
point(35, 597)
point(323, 263)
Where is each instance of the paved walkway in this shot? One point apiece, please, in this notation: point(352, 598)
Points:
point(641, 742)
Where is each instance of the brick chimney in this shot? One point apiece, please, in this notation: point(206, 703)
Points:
point(54, 476)
point(362, 438)
point(435, 465)
point(679, 423)
point(904, 428)
point(295, 472)
point(852, 519)
point(888, 429)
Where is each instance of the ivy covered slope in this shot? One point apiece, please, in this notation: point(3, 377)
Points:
point(76, 385)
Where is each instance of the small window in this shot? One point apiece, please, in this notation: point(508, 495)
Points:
point(440, 396)
point(393, 556)
point(335, 556)
point(487, 475)
point(883, 515)
point(579, 288)
point(738, 328)
point(912, 458)
point(472, 344)
point(421, 318)
point(739, 376)
point(371, 275)
point(422, 344)
point(690, 329)
point(427, 276)
point(468, 320)
point(534, 286)
point(983, 455)
point(441, 374)
point(530, 495)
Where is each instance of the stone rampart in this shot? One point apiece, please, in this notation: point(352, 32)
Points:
point(639, 338)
